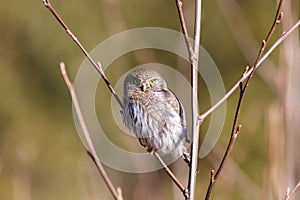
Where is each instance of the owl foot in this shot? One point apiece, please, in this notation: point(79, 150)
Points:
point(150, 150)
point(187, 158)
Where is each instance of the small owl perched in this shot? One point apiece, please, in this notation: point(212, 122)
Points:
point(154, 113)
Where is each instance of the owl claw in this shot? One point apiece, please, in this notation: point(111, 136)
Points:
point(187, 158)
point(150, 150)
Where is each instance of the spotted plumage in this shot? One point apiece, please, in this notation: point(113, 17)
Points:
point(154, 113)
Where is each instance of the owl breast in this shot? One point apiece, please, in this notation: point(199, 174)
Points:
point(155, 122)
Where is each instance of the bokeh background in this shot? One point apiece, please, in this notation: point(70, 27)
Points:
point(41, 155)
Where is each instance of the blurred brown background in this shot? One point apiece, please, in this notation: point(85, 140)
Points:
point(41, 156)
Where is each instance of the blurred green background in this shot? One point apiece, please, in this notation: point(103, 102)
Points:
point(41, 155)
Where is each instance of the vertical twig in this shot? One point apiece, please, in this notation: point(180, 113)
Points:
point(184, 30)
point(194, 58)
point(117, 193)
point(194, 99)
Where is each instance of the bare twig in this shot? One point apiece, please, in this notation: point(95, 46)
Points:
point(235, 128)
point(171, 175)
point(192, 55)
point(247, 73)
point(283, 36)
point(228, 94)
point(234, 132)
point(290, 193)
point(211, 182)
point(98, 66)
point(117, 194)
point(194, 98)
point(233, 136)
point(277, 19)
point(215, 175)
point(245, 39)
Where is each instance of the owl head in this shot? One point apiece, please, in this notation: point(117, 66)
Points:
point(144, 80)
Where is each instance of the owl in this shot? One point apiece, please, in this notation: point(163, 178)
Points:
point(154, 113)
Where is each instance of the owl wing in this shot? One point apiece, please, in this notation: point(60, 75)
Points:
point(182, 116)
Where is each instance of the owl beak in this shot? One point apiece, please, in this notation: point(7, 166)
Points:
point(145, 86)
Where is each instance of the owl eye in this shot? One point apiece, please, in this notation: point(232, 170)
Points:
point(137, 81)
point(152, 82)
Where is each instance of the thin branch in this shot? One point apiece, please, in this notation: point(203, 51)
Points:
point(171, 175)
point(234, 133)
point(276, 21)
point(233, 136)
point(283, 36)
point(243, 89)
point(194, 99)
point(211, 182)
point(245, 39)
point(120, 193)
point(289, 193)
point(214, 176)
point(192, 55)
point(228, 150)
point(228, 94)
point(117, 194)
point(111, 89)
point(75, 39)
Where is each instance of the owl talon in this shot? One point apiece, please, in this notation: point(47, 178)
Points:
point(187, 158)
point(150, 150)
